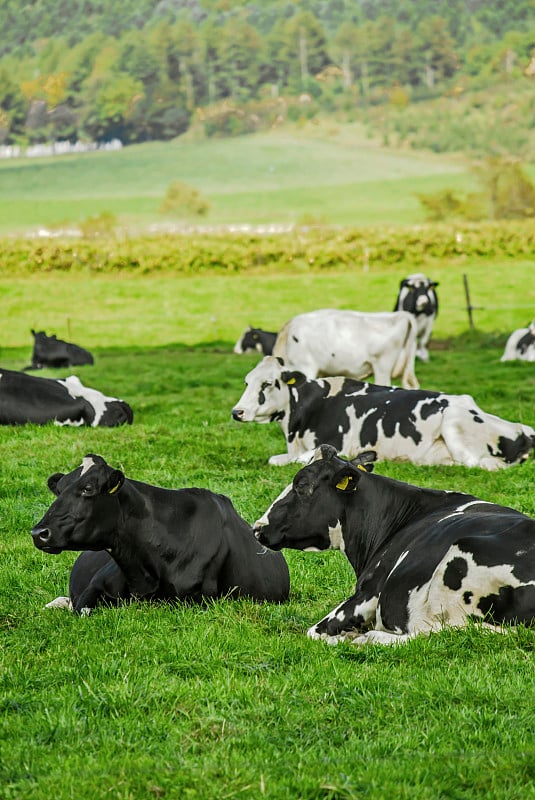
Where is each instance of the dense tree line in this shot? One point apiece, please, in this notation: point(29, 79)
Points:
point(143, 70)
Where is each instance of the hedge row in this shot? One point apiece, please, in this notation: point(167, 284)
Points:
point(302, 249)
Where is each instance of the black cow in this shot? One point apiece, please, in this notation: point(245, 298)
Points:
point(417, 296)
point(255, 339)
point(424, 558)
point(162, 544)
point(49, 351)
point(64, 401)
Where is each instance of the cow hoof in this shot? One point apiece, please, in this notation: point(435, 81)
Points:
point(60, 602)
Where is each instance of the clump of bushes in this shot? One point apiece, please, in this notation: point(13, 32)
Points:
point(181, 199)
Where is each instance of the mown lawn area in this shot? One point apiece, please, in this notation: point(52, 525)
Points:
point(230, 699)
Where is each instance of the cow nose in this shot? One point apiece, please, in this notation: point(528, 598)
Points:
point(237, 414)
point(41, 535)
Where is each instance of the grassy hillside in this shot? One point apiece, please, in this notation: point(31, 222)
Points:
point(331, 174)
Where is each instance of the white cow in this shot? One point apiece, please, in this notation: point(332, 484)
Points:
point(520, 345)
point(352, 343)
point(416, 425)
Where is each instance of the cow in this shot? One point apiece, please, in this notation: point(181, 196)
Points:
point(417, 425)
point(424, 558)
point(417, 296)
point(255, 339)
point(65, 401)
point(520, 345)
point(352, 343)
point(162, 544)
point(49, 351)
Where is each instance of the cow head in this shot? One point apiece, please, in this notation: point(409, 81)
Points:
point(307, 514)
point(84, 514)
point(250, 340)
point(266, 397)
point(417, 295)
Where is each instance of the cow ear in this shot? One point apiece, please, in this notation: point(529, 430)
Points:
point(346, 480)
point(114, 482)
point(364, 461)
point(292, 378)
point(434, 283)
point(53, 482)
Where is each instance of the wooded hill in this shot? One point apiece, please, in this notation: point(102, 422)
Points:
point(143, 70)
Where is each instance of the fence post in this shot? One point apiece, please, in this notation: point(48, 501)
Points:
point(469, 306)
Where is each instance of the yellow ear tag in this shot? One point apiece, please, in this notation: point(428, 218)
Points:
point(343, 484)
point(112, 491)
point(289, 383)
point(359, 466)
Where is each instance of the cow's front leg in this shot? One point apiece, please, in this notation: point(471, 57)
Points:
point(346, 621)
point(282, 460)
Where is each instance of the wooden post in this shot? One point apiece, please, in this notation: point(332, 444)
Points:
point(469, 306)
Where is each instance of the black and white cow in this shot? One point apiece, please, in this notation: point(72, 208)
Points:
point(255, 339)
point(520, 345)
point(164, 544)
point(49, 351)
point(416, 425)
point(417, 296)
point(424, 558)
point(64, 401)
point(331, 341)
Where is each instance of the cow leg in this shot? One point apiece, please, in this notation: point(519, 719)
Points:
point(381, 637)
point(345, 621)
point(107, 585)
point(282, 460)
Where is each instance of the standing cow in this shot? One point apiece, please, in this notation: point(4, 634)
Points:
point(424, 558)
point(416, 425)
point(520, 345)
point(354, 343)
point(255, 339)
point(417, 296)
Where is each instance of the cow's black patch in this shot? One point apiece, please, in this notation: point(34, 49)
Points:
point(475, 416)
point(467, 597)
point(510, 605)
point(527, 341)
point(511, 450)
point(454, 573)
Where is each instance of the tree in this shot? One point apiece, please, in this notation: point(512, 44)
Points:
point(13, 108)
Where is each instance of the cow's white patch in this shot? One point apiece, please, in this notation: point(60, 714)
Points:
point(87, 463)
point(95, 398)
point(264, 519)
point(459, 511)
point(336, 537)
point(74, 423)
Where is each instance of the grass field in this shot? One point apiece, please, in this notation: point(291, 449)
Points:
point(328, 173)
point(230, 700)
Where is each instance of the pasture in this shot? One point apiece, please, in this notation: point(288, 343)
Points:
point(327, 173)
point(230, 699)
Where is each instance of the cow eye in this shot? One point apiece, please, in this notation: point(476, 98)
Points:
point(266, 385)
point(87, 490)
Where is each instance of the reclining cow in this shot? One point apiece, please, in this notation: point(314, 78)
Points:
point(417, 296)
point(255, 339)
point(49, 351)
point(423, 558)
point(64, 401)
point(163, 544)
point(520, 345)
point(416, 425)
point(352, 343)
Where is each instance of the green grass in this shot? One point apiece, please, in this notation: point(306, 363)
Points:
point(332, 174)
point(231, 699)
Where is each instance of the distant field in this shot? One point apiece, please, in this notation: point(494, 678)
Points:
point(332, 174)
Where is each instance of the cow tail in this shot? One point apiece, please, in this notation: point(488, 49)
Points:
point(407, 357)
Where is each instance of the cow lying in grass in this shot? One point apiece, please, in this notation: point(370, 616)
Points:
point(49, 351)
point(255, 339)
point(423, 558)
point(520, 345)
point(64, 401)
point(415, 425)
point(162, 544)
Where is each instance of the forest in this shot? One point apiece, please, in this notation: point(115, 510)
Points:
point(140, 71)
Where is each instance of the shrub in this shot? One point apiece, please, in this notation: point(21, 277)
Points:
point(183, 199)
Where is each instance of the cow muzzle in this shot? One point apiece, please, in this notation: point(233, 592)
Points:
point(42, 540)
point(238, 414)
